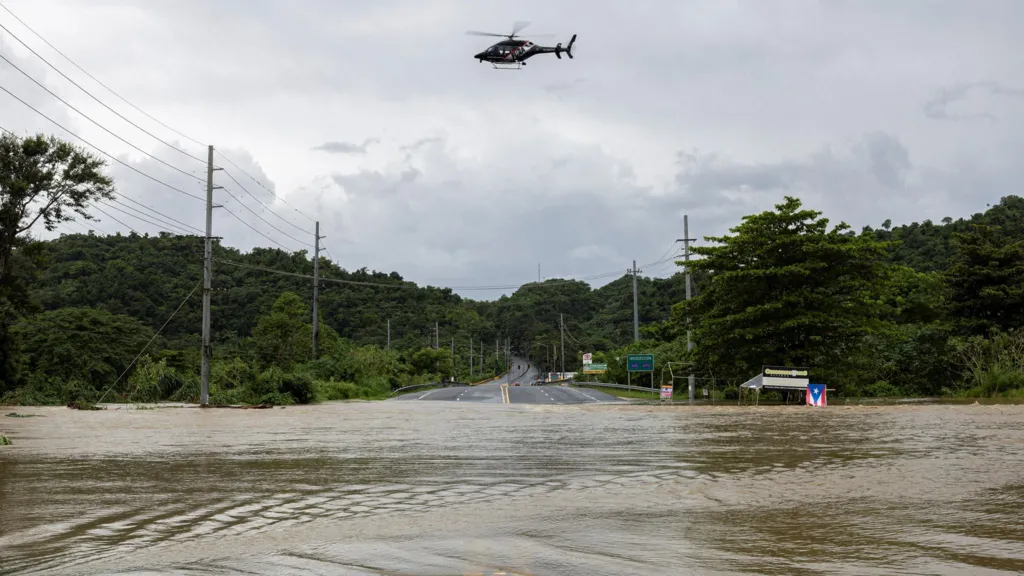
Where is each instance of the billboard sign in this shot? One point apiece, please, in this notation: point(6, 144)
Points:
point(640, 362)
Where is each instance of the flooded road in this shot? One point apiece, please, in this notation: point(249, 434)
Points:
point(445, 488)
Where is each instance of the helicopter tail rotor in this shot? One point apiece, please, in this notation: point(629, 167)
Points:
point(568, 49)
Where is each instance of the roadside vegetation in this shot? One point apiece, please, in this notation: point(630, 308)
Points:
point(924, 309)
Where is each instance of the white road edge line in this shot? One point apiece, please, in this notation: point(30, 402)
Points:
point(587, 395)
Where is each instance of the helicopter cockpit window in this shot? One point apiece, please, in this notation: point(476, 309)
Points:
point(494, 50)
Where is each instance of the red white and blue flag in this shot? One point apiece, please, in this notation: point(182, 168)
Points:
point(816, 395)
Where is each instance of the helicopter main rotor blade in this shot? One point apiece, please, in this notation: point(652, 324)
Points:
point(519, 25)
point(477, 33)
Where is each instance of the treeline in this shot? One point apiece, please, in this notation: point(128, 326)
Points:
point(919, 309)
point(93, 302)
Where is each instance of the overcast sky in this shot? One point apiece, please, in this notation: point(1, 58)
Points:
point(372, 117)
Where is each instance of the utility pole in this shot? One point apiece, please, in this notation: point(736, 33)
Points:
point(538, 272)
point(686, 258)
point(636, 307)
point(207, 356)
point(470, 357)
point(453, 358)
point(561, 330)
point(389, 333)
point(481, 358)
point(316, 288)
point(437, 338)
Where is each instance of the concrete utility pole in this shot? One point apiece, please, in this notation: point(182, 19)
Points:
point(207, 352)
point(453, 358)
point(636, 307)
point(561, 331)
point(470, 357)
point(316, 288)
point(481, 358)
point(686, 258)
point(389, 333)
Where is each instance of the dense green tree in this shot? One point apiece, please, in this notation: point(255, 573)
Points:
point(80, 344)
point(784, 290)
point(284, 337)
point(986, 280)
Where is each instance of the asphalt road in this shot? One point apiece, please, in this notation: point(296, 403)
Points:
point(504, 391)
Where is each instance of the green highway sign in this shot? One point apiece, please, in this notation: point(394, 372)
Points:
point(640, 362)
point(595, 368)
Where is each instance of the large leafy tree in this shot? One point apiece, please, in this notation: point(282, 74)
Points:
point(284, 337)
point(44, 179)
point(784, 289)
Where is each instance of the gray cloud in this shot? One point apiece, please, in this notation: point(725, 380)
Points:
point(347, 147)
point(939, 106)
point(711, 109)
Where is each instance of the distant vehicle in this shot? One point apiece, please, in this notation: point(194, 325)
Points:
point(512, 54)
point(516, 384)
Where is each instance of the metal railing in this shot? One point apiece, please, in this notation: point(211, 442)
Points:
point(646, 389)
point(428, 385)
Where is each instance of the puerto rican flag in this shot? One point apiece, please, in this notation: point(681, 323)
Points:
point(816, 395)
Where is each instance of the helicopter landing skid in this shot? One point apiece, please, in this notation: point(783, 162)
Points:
point(516, 66)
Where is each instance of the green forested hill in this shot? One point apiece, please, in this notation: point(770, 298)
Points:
point(914, 309)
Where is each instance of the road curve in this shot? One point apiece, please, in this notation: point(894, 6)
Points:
point(504, 391)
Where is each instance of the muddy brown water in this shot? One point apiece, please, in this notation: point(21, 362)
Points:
point(447, 488)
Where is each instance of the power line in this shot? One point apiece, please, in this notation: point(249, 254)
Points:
point(136, 108)
point(253, 178)
point(116, 220)
point(87, 117)
point(243, 205)
point(159, 215)
point(379, 284)
point(108, 155)
point(267, 208)
point(94, 79)
point(102, 103)
point(157, 212)
point(250, 226)
point(173, 228)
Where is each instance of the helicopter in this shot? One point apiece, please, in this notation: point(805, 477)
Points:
point(512, 54)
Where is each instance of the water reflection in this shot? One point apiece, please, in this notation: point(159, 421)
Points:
point(436, 488)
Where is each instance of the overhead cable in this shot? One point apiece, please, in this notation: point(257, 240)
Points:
point(108, 155)
point(90, 94)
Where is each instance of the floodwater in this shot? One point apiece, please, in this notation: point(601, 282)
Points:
point(444, 488)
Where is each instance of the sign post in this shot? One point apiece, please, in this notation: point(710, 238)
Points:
point(640, 363)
